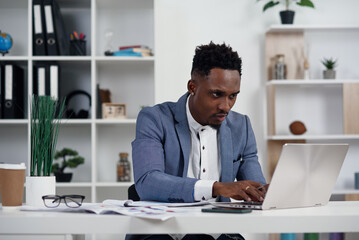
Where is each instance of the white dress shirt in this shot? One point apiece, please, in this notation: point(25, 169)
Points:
point(204, 160)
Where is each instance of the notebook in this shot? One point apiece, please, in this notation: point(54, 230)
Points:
point(305, 176)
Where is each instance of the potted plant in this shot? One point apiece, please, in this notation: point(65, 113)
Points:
point(287, 16)
point(329, 64)
point(72, 162)
point(45, 117)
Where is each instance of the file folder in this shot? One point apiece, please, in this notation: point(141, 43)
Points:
point(38, 29)
point(62, 39)
point(13, 92)
point(39, 80)
point(1, 91)
point(51, 39)
point(46, 80)
point(54, 81)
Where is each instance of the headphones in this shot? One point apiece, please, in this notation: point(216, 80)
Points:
point(70, 113)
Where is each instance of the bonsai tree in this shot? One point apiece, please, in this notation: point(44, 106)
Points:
point(303, 3)
point(72, 162)
point(329, 63)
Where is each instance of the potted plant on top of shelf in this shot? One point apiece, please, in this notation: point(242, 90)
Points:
point(329, 64)
point(73, 162)
point(287, 16)
point(45, 117)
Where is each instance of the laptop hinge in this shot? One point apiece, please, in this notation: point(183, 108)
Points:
point(272, 207)
point(318, 204)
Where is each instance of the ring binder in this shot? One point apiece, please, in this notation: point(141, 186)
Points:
point(38, 29)
point(46, 80)
point(13, 92)
point(51, 38)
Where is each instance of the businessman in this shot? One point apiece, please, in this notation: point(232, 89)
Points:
point(197, 149)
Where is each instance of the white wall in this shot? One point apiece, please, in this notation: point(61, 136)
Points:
point(182, 25)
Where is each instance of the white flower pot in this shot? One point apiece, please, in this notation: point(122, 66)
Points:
point(36, 187)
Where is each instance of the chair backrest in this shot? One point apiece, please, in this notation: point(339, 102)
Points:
point(132, 193)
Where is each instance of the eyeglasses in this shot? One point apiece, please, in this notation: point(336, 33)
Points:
point(72, 201)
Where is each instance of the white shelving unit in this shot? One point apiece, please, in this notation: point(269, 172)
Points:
point(325, 106)
point(130, 79)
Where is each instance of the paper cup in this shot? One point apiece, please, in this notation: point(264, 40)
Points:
point(12, 178)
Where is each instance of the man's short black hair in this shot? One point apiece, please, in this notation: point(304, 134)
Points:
point(212, 56)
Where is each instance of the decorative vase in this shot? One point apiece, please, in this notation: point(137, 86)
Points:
point(36, 187)
point(329, 74)
point(63, 177)
point(287, 16)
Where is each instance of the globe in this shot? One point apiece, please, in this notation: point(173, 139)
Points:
point(5, 42)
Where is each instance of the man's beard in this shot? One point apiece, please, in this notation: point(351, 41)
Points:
point(216, 126)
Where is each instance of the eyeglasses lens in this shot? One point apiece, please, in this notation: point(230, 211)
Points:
point(73, 201)
point(52, 201)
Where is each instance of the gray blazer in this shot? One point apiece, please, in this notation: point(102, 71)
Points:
point(161, 150)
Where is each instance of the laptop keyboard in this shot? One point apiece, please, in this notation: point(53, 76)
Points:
point(252, 203)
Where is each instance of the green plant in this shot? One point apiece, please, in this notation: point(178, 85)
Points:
point(329, 63)
point(44, 123)
point(71, 162)
point(303, 3)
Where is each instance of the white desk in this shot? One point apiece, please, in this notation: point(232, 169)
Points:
point(335, 217)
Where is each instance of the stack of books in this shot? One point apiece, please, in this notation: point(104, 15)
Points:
point(134, 51)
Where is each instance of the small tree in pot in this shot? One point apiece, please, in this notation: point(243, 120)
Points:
point(73, 162)
point(287, 16)
point(329, 64)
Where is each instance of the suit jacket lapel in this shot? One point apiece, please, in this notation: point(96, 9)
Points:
point(226, 148)
point(182, 129)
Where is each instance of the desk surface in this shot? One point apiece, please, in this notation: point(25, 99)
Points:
point(334, 217)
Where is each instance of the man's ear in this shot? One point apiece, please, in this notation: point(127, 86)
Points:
point(191, 86)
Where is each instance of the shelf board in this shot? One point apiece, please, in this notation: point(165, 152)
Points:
point(345, 191)
point(301, 28)
point(13, 58)
point(75, 4)
point(115, 121)
point(114, 184)
point(314, 137)
point(61, 58)
point(124, 59)
point(74, 184)
point(14, 121)
point(311, 82)
point(75, 121)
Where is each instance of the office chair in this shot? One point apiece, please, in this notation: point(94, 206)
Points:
point(132, 193)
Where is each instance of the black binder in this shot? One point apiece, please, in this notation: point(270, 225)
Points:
point(53, 76)
point(14, 92)
point(46, 80)
point(51, 38)
point(1, 90)
point(38, 28)
point(60, 31)
point(40, 83)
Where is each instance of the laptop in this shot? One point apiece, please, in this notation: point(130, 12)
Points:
point(305, 176)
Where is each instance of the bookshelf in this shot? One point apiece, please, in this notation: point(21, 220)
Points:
point(131, 81)
point(325, 106)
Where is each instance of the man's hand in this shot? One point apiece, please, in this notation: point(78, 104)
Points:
point(242, 190)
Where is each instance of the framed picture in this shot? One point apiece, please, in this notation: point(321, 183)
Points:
point(113, 111)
